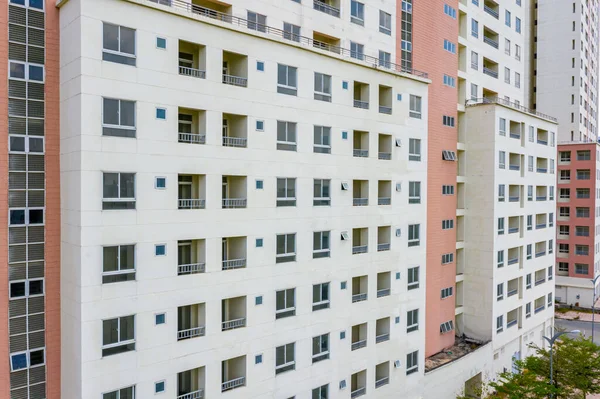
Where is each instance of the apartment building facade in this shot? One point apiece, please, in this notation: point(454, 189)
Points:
point(30, 200)
point(245, 201)
point(577, 258)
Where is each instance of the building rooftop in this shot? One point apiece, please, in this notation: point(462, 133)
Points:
point(462, 346)
point(500, 101)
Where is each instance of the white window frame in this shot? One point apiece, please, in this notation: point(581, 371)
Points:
point(502, 127)
point(322, 301)
point(287, 308)
point(322, 199)
point(119, 342)
point(414, 150)
point(119, 198)
point(357, 12)
point(501, 192)
point(325, 92)
point(120, 126)
point(27, 354)
point(292, 32)
point(322, 250)
point(27, 71)
point(28, 5)
point(26, 220)
point(411, 323)
point(412, 362)
point(500, 259)
point(499, 320)
point(413, 273)
point(286, 355)
point(502, 159)
point(415, 107)
point(357, 50)
point(288, 129)
point(118, 392)
point(386, 28)
point(286, 201)
point(27, 291)
point(500, 292)
point(286, 254)
point(286, 85)
point(414, 192)
point(500, 226)
point(119, 52)
point(414, 231)
point(321, 133)
point(26, 144)
point(323, 352)
point(120, 271)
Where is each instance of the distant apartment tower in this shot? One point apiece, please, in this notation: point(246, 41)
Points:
point(245, 201)
point(566, 66)
point(578, 217)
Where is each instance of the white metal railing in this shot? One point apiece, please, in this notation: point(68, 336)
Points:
point(513, 198)
point(383, 109)
point(514, 135)
point(511, 323)
point(541, 253)
point(190, 333)
point(326, 46)
point(540, 226)
point(234, 264)
point(513, 230)
point(382, 338)
point(385, 155)
point(191, 203)
point(360, 201)
point(539, 309)
point(359, 249)
point(233, 324)
point(192, 138)
point(360, 153)
point(358, 392)
point(191, 268)
point(540, 198)
point(235, 80)
point(514, 167)
point(326, 8)
point(542, 170)
point(382, 381)
point(193, 72)
point(234, 141)
point(199, 394)
point(542, 142)
point(491, 11)
point(512, 292)
point(490, 72)
point(359, 297)
point(231, 384)
point(491, 42)
point(540, 281)
point(383, 292)
point(513, 261)
point(361, 104)
point(384, 201)
point(232, 203)
point(383, 247)
point(359, 344)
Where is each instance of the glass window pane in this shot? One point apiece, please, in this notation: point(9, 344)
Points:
point(127, 40)
point(280, 244)
point(110, 331)
point(291, 243)
point(110, 112)
point(127, 328)
point(289, 348)
point(36, 287)
point(17, 216)
point(281, 188)
point(127, 257)
point(291, 76)
point(111, 37)
point(36, 216)
point(39, 4)
point(326, 188)
point(289, 297)
point(110, 259)
point(127, 113)
point(111, 185)
point(36, 144)
point(111, 395)
point(36, 357)
point(17, 289)
point(127, 185)
point(280, 355)
point(291, 133)
point(291, 188)
point(325, 291)
point(281, 74)
point(317, 188)
point(19, 361)
point(280, 300)
point(17, 70)
point(316, 293)
point(36, 73)
point(281, 131)
point(127, 393)
point(17, 143)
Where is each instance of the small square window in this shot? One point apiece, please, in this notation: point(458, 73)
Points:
point(259, 243)
point(397, 320)
point(260, 66)
point(397, 275)
point(260, 126)
point(399, 96)
point(258, 359)
point(160, 318)
point(342, 334)
point(160, 249)
point(159, 387)
point(344, 135)
point(161, 42)
point(259, 184)
point(258, 300)
point(343, 285)
point(160, 183)
point(344, 85)
point(161, 113)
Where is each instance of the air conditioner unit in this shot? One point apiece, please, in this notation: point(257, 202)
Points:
point(345, 186)
point(345, 236)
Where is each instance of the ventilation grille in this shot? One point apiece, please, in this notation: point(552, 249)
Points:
point(18, 343)
point(17, 33)
point(36, 163)
point(35, 55)
point(17, 272)
point(16, 52)
point(17, 15)
point(35, 252)
point(17, 235)
point(16, 199)
point(36, 37)
point(17, 307)
point(16, 253)
point(35, 199)
point(18, 380)
point(35, 127)
point(35, 181)
point(17, 162)
point(17, 107)
point(17, 126)
point(35, 109)
point(17, 326)
point(35, 269)
point(36, 322)
point(35, 233)
point(35, 91)
point(35, 18)
point(17, 88)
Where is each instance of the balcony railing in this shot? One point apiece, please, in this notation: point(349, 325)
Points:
point(383, 292)
point(490, 72)
point(471, 102)
point(382, 381)
point(191, 268)
point(359, 392)
point(360, 201)
point(513, 230)
point(385, 110)
point(192, 138)
point(511, 323)
point(513, 198)
point(191, 203)
point(235, 80)
point(361, 104)
point(234, 264)
point(541, 253)
point(233, 324)
point(382, 338)
point(326, 8)
point(540, 226)
point(384, 201)
point(193, 72)
point(542, 142)
point(359, 249)
point(514, 167)
point(359, 344)
point(190, 333)
point(542, 170)
point(359, 297)
point(539, 309)
point(199, 394)
point(491, 11)
point(233, 203)
point(512, 292)
point(360, 153)
point(326, 46)
point(513, 261)
point(541, 198)
point(383, 247)
point(235, 141)
point(232, 384)
point(491, 42)
point(540, 281)
point(385, 155)
point(514, 135)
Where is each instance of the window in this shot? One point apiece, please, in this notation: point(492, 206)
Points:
point(357, 51)
point(583, 174)
point(565, 193)
point(413, 278)
point(517, 80)
point(449, 81)
point(259, 243)
point(518, 25)
point(286, 248)
point(123, 393)
point(118, 335)
point(412, 362)
point(160, 183)
point(118, 118)
point(507, 46)
point(500, 257)
point(565, 175)
point(499, 324)
point(500, 226)
point(582, 212)
point(447, 224)
point(357, 12)
point(260, 184)
point(474, 28)
point(446, 292)
point(322, 87)
point(160, 250)
point(159, 386)
point(118, 264)
point(412, 320)
point(530, 163)
point(414, 149)
point(118, 44)
point(474, 65)
point(474, 91)
point(118, 191)
point(449, 46)
point(26, 216)
point(583, 155)
point(260, 66)
point(446, 327)
point(320, 348)
point(502, 127)
point(414, 237)
point(258, 359)
point(385, 59)
point(563, 230)
point(502, 159)
point(450, 11)
point(529, 193)
point(286, 136)
point(506, 75)
point(26, 144)
point(291, 32)
point(285, 303)
point(322, 139)
point(321, 195)
point(26, 288)
point(160, 318)
point(507, 18)
point(563, 267)
point(563, 248)
point(528, 281)
point(39, 4)
point(321, 244)
point(320, 298)
point(385, 22)
point(517, 52)
point(321, 392)
point(415, 107)
point(161, 113)
point(529, 251)
point(284, 358)
point(448, 120)
point(501, 192)
point(500, 292)
point(447, 258)
point(26, 71)
point(529, 222)
point(528, 310)
point(581, 268)
point(550, 273)
point(414, 192)
point(27, 359)
point(287, 82)
point(549, 299)
point(564, 211)
point(257, 21)
point(583, 250)
point(447, 190)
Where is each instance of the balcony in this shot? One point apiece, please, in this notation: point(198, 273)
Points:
point(325, 42)
point(192, 60)
point(382, 330)
point(235, 131)
point(490, 37)
point(540, 249)
point(513, 256)
point(233, 190)
point(512, 287)
point(360, 144)
point(542, 136)
point(359, 288)
point(492, 8)
point(514, 193)
point(233, 313)
point(190, 257)
point(385, 100)
point(540, 221)
point(233, 373)
point(360, 190)
point(542, 165)
point(490, 68)
point(191, 321)
point(191, 191)
point(235, 69)
point(515, 130)
point(191, 126)
point(385, 147)
point(358, 384)
point(384, 192)
point(361, 95)
point(360, 237)
point(359, 336)
point(540, 304)
point(514, 224)
point(328, 7)
point(190, 384)
point(383, 238)
point(233, 253)
point(383, 284)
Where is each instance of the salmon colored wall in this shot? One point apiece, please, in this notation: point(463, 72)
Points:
point(573, 203)
point(52, 254)
point(430, 27)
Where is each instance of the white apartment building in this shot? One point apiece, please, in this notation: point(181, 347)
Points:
point(243, 203)
point(567, 66)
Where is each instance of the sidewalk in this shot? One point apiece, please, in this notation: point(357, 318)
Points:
point(575, 315)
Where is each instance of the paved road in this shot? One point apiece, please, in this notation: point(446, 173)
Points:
point(583, 326)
